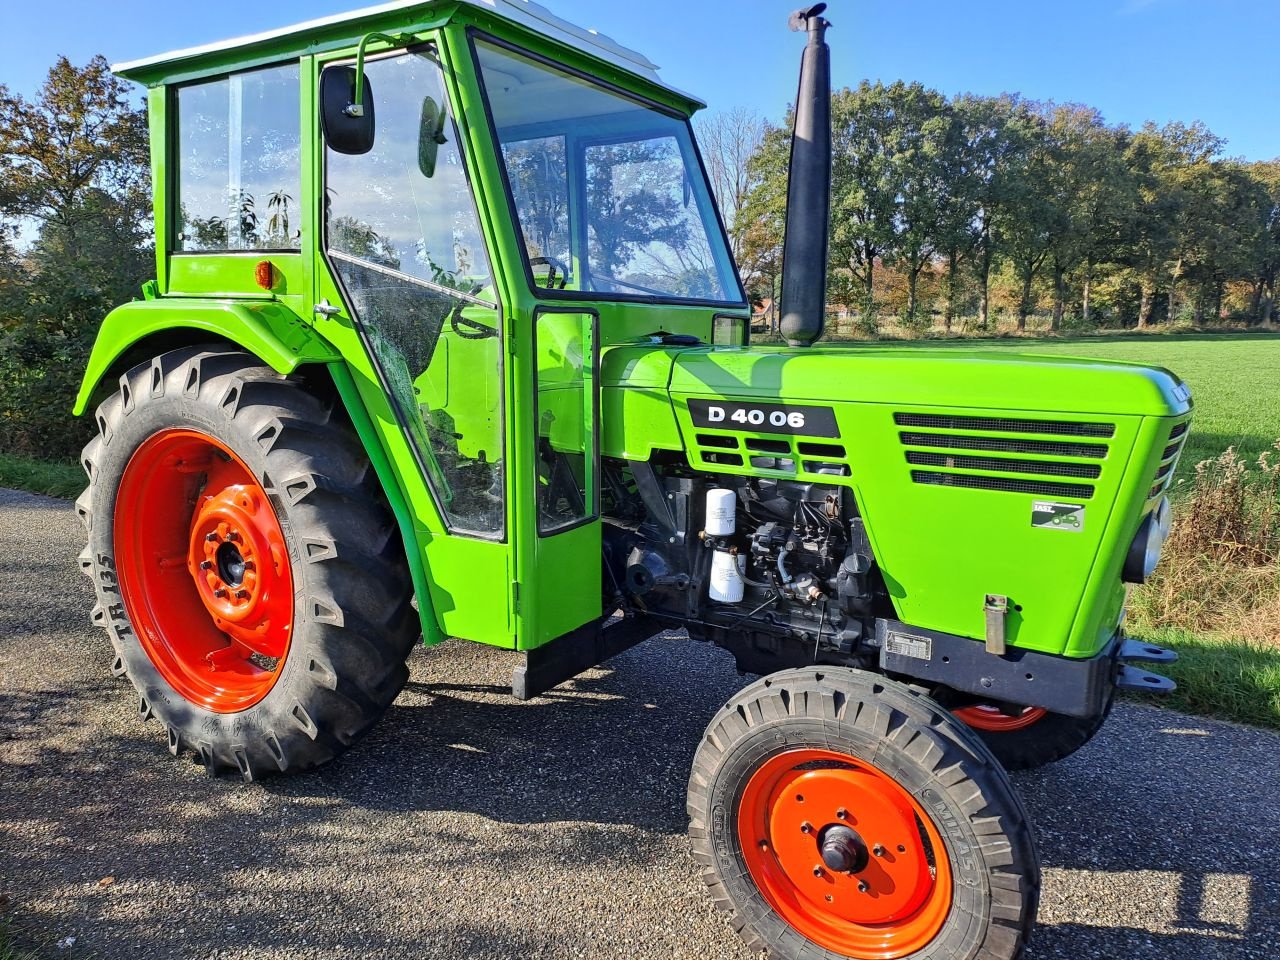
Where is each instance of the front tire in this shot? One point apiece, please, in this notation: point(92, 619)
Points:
point(838, 815)
point(1032, 738)
point(247, 568)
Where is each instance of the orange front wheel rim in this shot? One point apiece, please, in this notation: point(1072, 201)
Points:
point(845, 854)
point(204, 570)
point(981, 716)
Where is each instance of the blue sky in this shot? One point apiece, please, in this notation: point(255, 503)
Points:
point(1135, 60)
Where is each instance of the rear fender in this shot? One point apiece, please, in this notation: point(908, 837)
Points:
point(276, 335)
point(267, 329)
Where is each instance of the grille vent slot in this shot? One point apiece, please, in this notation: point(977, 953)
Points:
point(1060, 428)
point(1087, 471)
point(1072, 491)
point(1051, 448)
point(1179, 429)
point(712, 440)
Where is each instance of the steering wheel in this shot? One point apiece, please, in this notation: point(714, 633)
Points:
point(551, 263)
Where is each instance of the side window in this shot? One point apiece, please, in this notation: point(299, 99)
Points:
point(404, 241)
point(239, 162)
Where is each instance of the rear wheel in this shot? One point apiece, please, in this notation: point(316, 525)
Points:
point(247, 568)
point(1031, 737)
point(837, 814)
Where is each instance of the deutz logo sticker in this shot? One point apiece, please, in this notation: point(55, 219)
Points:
point(787, 418)
point(1057, 516)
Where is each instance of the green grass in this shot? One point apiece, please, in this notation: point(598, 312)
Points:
point(9, 950)
point(52, 479)
point(1218, 676)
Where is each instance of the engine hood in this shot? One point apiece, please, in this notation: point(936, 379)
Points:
point(943, 377)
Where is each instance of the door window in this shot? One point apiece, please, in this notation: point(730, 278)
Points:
point(404, 240)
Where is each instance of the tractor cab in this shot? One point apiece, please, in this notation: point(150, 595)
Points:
point(475, 201)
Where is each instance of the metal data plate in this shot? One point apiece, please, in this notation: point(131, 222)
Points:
point(905, 645)
point(1048, 515)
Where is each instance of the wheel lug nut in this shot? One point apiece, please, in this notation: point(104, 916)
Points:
point(249, 565)
point(206, 564)
point(878, 850)
point(233, 537)
point(862, 886)
point(817, 869)
point(806, 827)
point(242, 594)
point(220, 594)
point(211, 537)
point(842, 814)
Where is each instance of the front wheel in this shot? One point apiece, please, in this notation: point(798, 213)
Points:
point(838, 815)
point(247, 568)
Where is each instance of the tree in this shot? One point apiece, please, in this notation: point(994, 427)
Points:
point(994, 132)
point(865, 189)
point(1026, 216)
point(74, 173)
point(79, 138)
point(924, 139)
point(729, 141)
point(1266, 265)
point(1086, 178)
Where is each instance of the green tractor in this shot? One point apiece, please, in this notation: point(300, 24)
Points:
point(446, 341)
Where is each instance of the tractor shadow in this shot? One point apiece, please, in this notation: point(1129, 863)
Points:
point(612, 747)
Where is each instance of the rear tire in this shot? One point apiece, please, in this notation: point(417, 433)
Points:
point(1049, 738)
point(247, 568)
point(808, 758)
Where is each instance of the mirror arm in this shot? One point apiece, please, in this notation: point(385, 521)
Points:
point(356, 109)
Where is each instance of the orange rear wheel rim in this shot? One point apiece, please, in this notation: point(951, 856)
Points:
point(204, 570)
point(896, 893)
point(984, 717)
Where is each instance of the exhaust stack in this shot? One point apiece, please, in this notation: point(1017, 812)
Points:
point(804, 247)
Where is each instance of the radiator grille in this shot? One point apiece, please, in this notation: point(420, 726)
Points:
point(1009, 454)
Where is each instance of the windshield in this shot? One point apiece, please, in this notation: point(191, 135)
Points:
point(609, 192)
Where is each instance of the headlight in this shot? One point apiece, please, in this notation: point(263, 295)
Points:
point(1144, 553)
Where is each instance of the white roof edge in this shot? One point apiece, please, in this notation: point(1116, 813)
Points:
point(524, 12)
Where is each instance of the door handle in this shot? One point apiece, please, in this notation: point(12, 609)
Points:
point(325, 309)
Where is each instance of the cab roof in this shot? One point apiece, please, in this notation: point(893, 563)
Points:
point(312, 34)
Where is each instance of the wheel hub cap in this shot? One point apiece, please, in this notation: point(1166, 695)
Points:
point(204, 570)
point(845, 854)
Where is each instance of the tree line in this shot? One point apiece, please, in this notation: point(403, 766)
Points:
point(942, 207)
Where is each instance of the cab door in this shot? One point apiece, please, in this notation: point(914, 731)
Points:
point(561, 578)
point(405, 286)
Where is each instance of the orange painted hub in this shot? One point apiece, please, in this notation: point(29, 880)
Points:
point(993, 720)
point(203, 569)
point(898, 895)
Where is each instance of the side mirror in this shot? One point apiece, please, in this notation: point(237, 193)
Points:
point(430, 136)
point(348, 126)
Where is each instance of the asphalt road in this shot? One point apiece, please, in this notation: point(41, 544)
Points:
point(470, 825)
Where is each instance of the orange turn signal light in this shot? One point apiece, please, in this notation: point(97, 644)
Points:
point(264, 274)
